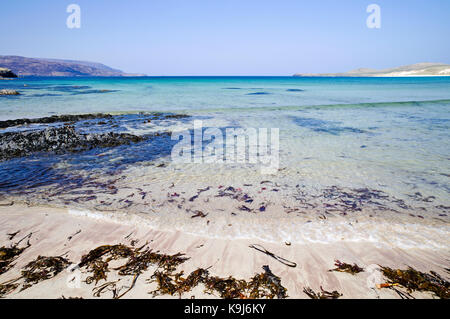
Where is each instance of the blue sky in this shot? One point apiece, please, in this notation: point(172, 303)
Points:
point(228, 37)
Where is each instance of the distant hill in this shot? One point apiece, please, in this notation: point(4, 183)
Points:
point(23, 66)
point(419, 69)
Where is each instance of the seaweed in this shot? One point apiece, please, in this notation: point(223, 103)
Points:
point(278, 258)
point(40, 269)
point(140, 261)
point(228, 288)
point(115, 252)
point(99, 268)
point(245, 208)
point(108, 286)
point(9, 254)
point(264, 285)
point(43, 268)
point(8, 287)
point(234, 193)
point(137, 261)
point(267, 285)
point(71, 236)
point(198, 193)
point(414, 280)
point(199, 214)
point(12, 235)
point(165, 283)
point(344, 267)
point(323, 294)
point(192, 280)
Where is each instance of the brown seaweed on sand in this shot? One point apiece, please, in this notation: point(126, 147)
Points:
point(140, 261)
point(414, 280)
point(12, 235)
point(344, 267)
point(8, 287)
point(40, 269)
point(227, 288)
point(9, 254)
point(321, 295)
point(267, 285)
point(43, 268)
point(199, 214)
point(264, 285)
point(280, 259)
point(98, 266)
point(137, 261)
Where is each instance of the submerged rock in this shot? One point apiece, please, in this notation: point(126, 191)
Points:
point(9, 92)
point(81, 117)
point(53, 119)
point(58, 140)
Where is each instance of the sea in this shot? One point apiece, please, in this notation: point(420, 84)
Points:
point(359, 159)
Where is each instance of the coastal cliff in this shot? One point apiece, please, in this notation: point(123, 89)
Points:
point(54, 67)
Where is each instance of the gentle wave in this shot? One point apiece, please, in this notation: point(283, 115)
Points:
point(387, 234)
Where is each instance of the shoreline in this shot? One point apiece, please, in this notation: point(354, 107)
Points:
point(56, 232)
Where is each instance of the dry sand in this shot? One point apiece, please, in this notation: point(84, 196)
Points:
point(52, 228)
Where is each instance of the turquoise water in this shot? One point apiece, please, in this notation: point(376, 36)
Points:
point(386, 134)
point(398, 125)
point(43, 96)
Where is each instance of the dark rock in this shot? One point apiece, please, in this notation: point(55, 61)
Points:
point(7, 73)
point(53, 119)
point(58, 140)
point(9, 92)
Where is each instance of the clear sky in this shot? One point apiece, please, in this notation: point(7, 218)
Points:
point(229, 37)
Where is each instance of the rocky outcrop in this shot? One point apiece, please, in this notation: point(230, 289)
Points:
point(81, 117)
point(58, 140)
point(54, 119)
point(7, 73)
point(9, 92)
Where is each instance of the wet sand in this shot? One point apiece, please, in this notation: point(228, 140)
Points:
point(56, 232)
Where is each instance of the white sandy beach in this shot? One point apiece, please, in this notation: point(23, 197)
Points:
point(52, 227)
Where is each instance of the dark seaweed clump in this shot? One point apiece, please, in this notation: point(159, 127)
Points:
point(40, 269)
point(9, 254)
point(344, 267)
point(263, 285)
point(138, 260)
point(43, 268)
point(414, 280)
point(323, 294)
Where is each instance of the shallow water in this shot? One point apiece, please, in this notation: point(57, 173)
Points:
point(383, 134)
